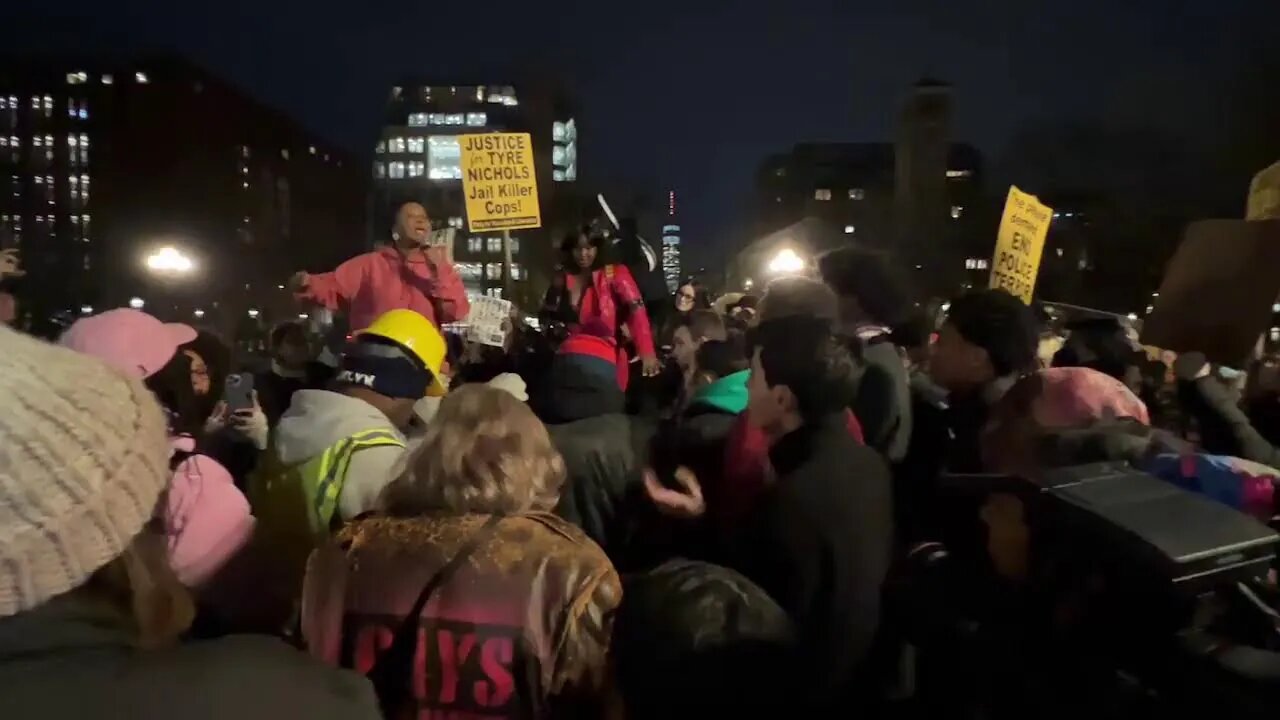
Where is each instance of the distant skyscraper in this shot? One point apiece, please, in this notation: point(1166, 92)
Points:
point(671, 245)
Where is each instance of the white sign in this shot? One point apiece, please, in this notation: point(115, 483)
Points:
point(489, 320)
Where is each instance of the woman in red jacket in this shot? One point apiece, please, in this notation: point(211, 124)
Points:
point(590, 296)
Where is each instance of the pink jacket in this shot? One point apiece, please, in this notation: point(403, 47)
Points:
point(373, 283)
point(206, 518)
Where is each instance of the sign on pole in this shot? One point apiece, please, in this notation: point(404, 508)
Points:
point(499, 182)
point(1019, 244)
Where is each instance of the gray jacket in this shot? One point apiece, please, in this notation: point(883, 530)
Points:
point(73, 659)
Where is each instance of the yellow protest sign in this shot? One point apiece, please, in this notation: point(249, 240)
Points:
point(498, 181)
point(1019, 244)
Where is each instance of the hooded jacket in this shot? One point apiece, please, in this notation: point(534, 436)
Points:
point(386, 279)
point(318, 419)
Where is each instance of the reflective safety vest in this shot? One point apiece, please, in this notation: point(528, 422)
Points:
point(296, 505)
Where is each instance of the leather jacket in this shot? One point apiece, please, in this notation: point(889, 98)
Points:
point(521, 630)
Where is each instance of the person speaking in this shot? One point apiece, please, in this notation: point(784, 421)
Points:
point(407, 274)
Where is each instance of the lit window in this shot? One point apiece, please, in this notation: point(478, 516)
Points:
point(141, 78)
point(48, 105)
point(245, 185)
point(558, 155)
point(379, 170)
point(35, 102)
point(455, 222)
point(848, 229)
point(557, 175)
point(515, 271)
point(977, 264)
point(477, 119)
point(475, 244)
point(1059, 252)
point(244, 151)
point(494, 292)
point(381, 147)
point(84, 139)
point(244, 169)
point(822, 194)
point(469, 271)
point(480, 95)
point(395, 145)
point(515, 246)
point(495, 244)
point(857, 194)
point(444, 157)
point(959, 173)
point(493, 271)
point(416, 168)
point(77, 78)
point(417, 119)
point(284, 153)
point(557, 131)
point(312, 149)
point(437, 119)
point(456, 119)
point(395, 170)
point(108, 79)
point(956, 211)
point(417, 145)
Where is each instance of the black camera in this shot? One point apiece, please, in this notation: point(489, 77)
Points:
point(1116, 571)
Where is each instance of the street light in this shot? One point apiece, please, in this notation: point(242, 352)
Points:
point(253, 313)
point(198, 313)
point(86, 309)
point(136, 303)
point(170, 260)
point(786, 262)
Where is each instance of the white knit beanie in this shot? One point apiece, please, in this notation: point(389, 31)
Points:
point(83, 459)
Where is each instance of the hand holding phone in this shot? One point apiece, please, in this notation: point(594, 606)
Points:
point(238, 393)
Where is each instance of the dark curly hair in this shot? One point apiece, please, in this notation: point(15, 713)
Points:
point(570, 241)
point(1002, 325)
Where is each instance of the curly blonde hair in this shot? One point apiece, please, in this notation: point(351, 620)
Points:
point(484, 452)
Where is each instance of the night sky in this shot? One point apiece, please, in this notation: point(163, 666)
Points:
point(691, 97)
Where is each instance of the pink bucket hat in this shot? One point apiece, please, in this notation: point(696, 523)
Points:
point(131, 341)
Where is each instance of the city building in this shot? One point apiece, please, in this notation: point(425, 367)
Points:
point(417, 158)
point(917, 198)
point(671, 245)
point(152, 183)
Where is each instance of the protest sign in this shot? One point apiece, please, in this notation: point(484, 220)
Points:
point(1019, 244)
point(499, 182)
point(489, 320)
point(1218, 290)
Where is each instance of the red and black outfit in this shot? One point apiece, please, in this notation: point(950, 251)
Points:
point(611, 298)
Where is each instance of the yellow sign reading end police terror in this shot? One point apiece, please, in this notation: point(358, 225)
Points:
point(1019, 244)
point(498, 181)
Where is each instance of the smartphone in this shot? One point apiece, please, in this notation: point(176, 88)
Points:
point(238, 393)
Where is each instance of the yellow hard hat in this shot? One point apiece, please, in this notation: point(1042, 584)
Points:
point(419, 336)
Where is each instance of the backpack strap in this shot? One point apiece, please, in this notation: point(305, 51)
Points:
point(390, 673)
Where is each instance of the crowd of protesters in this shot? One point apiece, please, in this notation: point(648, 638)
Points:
point(698, 517)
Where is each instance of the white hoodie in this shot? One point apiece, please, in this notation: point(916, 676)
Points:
point(319, 419)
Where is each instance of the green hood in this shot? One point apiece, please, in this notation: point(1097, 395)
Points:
point(728, 394)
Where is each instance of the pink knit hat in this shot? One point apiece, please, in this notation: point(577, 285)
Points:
point(129, 340)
